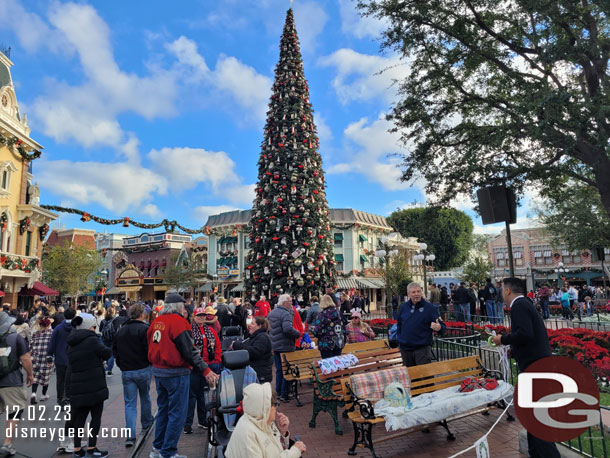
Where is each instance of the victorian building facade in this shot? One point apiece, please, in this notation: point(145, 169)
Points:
point(23, 223)
point(357, 236)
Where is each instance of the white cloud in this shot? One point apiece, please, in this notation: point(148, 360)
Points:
point(324, 131)
point(310, 19)
point(522, 223)
point(185, 168)
point(88, 112)
point(246, 87)
point(373, 143)
point(116, 186)
point(202, 213)
point(363, 77)
point(401, 205)
point(352, 23)
point(32, 32)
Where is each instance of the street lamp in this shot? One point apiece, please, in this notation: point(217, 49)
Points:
point(425, 257)
point(560, 270)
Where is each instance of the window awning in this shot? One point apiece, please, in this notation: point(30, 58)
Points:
point(231, 240)
point(206, 288)
point(347, 283)
point(338, 236)
point(156, 263)
point(362, 238)
point(221, 240)
point(149, 264)
point(238, 288)
point(163, 263)
point(363, 259)
point(339, 257)
point(1, 293)
point(38, 289)
point(366, 283)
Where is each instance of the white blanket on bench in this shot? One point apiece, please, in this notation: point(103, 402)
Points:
point(439, 405)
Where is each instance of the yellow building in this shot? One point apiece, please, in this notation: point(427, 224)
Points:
point(23, 223)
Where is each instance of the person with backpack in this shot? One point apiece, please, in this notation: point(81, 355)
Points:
point(108, 331)
point(329, 329)
point(15, 355)
point(489, 295)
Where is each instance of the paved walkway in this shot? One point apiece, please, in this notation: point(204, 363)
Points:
point(323, 443)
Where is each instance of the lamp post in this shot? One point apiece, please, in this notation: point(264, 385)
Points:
point(560, 270)
point(424, 257)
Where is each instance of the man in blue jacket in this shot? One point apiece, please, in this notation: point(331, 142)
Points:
point(58, 347)
point(417, 319)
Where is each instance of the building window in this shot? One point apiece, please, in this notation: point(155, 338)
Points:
point(566, 259)
point(518, 261)
point(501, 263)
point(339, 266)
point(338, 236)
point(548, 261)
point(576, 259)
point(246, 243)
point(28, 242)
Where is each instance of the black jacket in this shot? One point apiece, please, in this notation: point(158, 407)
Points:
point(528, 338)
point(130, 346)
point(86, 356)
point(239, 318)
point(461, 296)
point(224, 315)
point(261, 356)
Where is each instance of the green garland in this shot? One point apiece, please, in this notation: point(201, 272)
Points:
point(18, 144)
point(17, 263)
point(169, 226)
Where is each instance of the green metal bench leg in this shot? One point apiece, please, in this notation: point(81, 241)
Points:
point(332, 410)
point(316, 411)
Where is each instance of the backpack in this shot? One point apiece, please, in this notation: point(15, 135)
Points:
point(108, 332)
point(9, 361)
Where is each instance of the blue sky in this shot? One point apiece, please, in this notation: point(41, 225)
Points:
point(155, 111)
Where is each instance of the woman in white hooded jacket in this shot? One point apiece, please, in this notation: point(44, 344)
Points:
point(262, 432)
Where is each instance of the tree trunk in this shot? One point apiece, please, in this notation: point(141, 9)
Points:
point(602, 177)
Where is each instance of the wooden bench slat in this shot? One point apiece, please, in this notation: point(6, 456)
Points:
point(455, 376)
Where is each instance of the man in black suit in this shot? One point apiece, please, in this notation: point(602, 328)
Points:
point(529, 342)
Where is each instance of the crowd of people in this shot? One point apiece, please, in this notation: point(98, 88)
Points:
point(179, 344)
point(465, 302)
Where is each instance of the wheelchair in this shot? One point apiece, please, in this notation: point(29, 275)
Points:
point(228, 335)
point(219, 433)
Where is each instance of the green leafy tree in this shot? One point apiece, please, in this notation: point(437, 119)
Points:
point(397, 273)
point(573, 214)
point(480, 243)
point(290, 226)
point(477, 269)
point(446, 231)
point(497, 92)
point(71, 269)
point(181, 272)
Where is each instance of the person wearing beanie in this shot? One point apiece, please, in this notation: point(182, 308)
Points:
point(262, 431)
point(87, 382)
point(172, 354)
point(42, 368)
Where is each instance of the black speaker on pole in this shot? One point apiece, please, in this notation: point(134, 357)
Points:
point(497, 204)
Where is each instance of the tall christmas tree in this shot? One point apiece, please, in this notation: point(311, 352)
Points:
point(290, 227)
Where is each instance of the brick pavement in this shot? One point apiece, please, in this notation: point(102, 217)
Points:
point(323, 443)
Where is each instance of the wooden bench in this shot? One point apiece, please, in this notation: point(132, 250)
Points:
point(356, 348)
point(296, 367)
point(424, 379)
point(328, 394)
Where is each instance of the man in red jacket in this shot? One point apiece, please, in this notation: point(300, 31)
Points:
point(172, 355)
point(262, 307)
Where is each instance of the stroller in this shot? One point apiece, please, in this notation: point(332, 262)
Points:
point(223, 416)
point(228, 335)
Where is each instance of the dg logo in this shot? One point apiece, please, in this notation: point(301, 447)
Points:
point(156, 336)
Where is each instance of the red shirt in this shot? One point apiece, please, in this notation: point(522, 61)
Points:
point(262, 308)
point(204, 349)
point(162, 352)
